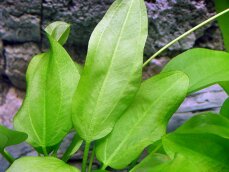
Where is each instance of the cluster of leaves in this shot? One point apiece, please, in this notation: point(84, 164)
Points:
point(108, 105)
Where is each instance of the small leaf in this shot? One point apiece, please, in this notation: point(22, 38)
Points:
point(145, 121)
point(41, 164)
point(204, 67)
point(224, 111)
point(10, 137)
point(223, 20)
point(46, 111)
point(113, 69)
point(59, 31)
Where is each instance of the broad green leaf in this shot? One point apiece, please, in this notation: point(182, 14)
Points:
point(224, 111)
point(205, 151)
point(113, 69)
point(162, 163)
point(10, 137)
point(206, 123)
point(145, 121)
point(204, 67)
point(40, 164)
point(223, 20)
point(46, 111)
point(59, 31)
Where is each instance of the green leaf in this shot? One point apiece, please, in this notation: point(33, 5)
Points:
point(224, 111)
point(223, 20)
point(59, 31)
point(206, 123)
point(204, 67)
point(113, 69)
point(145, 121)
point(162, 163)
point(205, 151)
point(40, 164)
point(10, 137)
point(46, 111)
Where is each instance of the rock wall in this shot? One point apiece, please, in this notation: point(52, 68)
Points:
point(22, 24)
point(22, 36)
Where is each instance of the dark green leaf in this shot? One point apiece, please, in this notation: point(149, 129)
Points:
point(204, 67)
point(145, 120)
point(223, 20)
point(59, 31)
point(46, 111)
point(10, 137)
point(224, 111)
point(41, 164)
point(113, 69)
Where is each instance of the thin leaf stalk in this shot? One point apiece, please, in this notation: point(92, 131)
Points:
point(91, 159)
point(67, 155)
point(44, 151)
point(85, 156)
point(185, 34)
point(7, 156)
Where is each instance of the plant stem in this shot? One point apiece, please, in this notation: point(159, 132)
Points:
point(91, 159)
point(44, 151)
point(85, 156)
point(104, 167)
point(185, 34)
point(67, 155)
point(7, 156)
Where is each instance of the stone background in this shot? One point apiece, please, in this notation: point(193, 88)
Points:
point(22, 36)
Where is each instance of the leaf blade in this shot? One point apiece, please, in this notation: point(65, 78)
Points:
point(38, 164)
point(112, 72)
point(144, 121)
point(45, 114)
point(204, 67)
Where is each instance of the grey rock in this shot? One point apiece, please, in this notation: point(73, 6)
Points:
point(20, 20)
point(1, 59)
point(17, 58)
point(169, 19)
point(209, 99)
point(10, 102)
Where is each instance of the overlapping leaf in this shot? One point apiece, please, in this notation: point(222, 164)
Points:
point(204, 67)
point(144, 121)
point(223, 20)
point(41, 164)
point(224, 111)
point(46, 111)
point(162, 163)
point(10, 137)
point(112, 72)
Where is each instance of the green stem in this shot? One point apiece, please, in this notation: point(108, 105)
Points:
point(44, 151)
point(67, 155)
point(85, 156)
point(185, 34)
point(104, 167)
point(7, 156)
point(91, 159)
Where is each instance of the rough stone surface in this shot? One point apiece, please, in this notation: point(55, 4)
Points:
point(209, 99)
point(17, 58)
point(169, 19)
point(20, 20)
